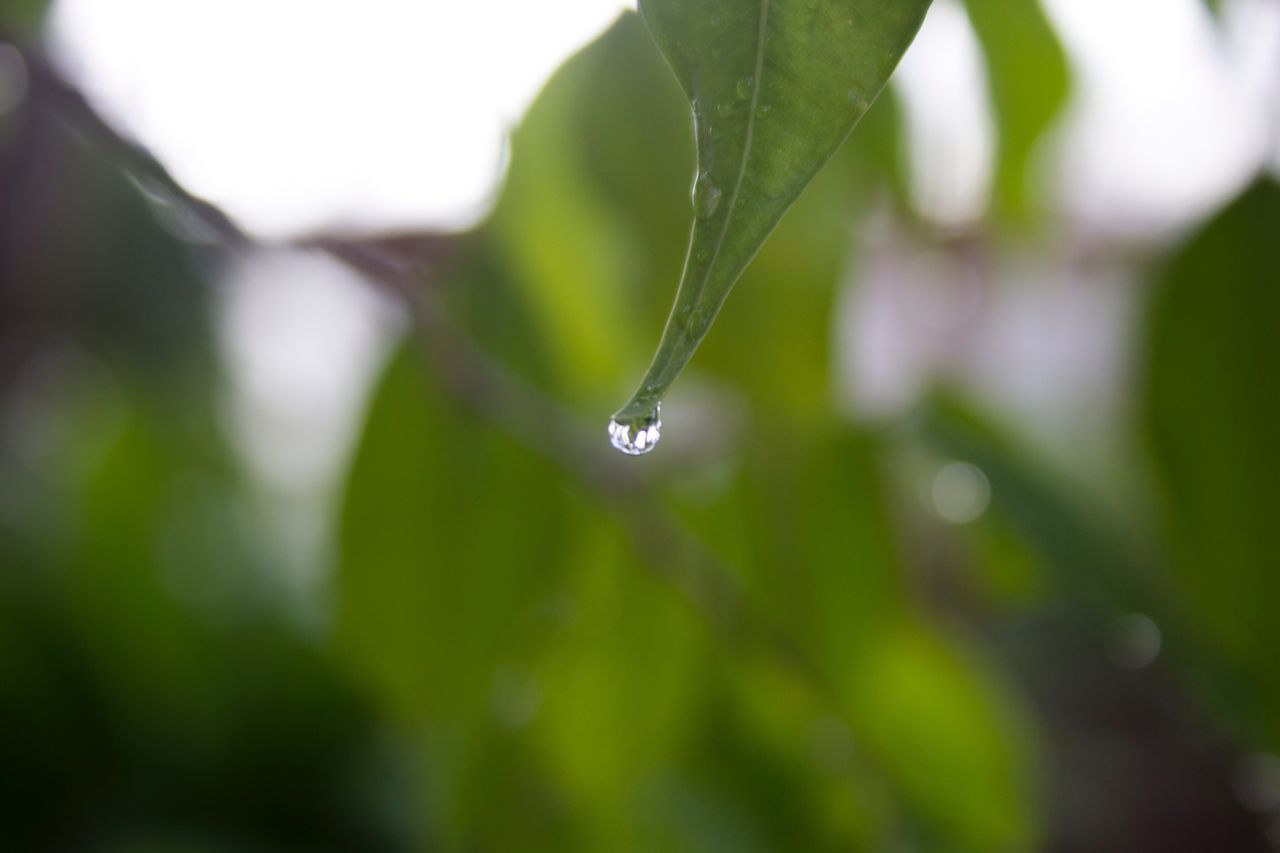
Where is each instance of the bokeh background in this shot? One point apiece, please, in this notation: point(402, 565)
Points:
point(961, 537)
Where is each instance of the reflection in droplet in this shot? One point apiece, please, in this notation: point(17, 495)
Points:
point(706, 198)
point(960, 493)
point(637, 436)
point(1133, 641)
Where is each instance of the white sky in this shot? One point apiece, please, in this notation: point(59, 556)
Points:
point(300, 115)
point(1171, 116)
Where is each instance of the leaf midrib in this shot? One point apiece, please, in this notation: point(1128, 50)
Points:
point(756, 83)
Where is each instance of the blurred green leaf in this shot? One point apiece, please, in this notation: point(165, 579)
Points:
point(1212, 418)
point(452, 543)
point(574, 172)
point(431, 591)
point(148, 671)
point(949, 737)
point(624, 681)
point(806, 521)
point(775, 88)
point(1030, 82)
point(536, 657)
point(1084, 554)
point(22, 17)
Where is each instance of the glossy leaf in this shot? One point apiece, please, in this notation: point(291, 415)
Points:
point(775, 87)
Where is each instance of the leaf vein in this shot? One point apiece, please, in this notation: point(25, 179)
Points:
point(757, 82)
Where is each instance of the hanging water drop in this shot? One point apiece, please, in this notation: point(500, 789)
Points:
point(638, 435)
point(706, 198)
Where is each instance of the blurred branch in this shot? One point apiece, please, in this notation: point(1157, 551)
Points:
point(49, 88)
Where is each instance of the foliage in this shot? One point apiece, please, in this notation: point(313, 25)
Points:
point(775, 89)
point(758, 638)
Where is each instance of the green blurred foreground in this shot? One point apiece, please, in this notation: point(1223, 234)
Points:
point(757, 639)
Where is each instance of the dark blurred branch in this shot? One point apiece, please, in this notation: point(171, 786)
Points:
point(48, 88)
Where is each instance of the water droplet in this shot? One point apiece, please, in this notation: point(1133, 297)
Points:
point(702, 255)
point(743, 88)
point(706, 198)
point(763, 110)
point(725, 109)
point(637, 436)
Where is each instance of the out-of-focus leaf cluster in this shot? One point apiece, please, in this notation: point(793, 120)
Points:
point(764, 642)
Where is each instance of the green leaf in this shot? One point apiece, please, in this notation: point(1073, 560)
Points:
point(1086, 557)
point(432, 592)
point(22, 17)
point(950, 737)
point(1029, 81)
point(630, 656)
point(775, 87)
point(1212, 417)
point(805, 521)
point(573, 171)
